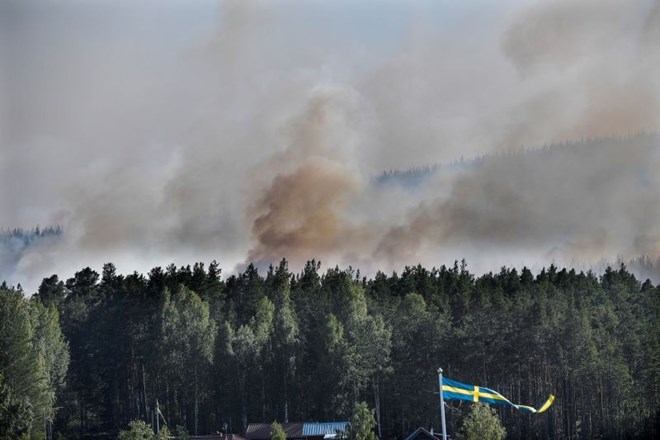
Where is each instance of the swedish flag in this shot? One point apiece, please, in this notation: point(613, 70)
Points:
point(456, 390)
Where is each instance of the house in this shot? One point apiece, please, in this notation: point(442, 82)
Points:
point(217, 437)
point(325, 430)
point(261, 431)
point(297, 431)
point(423, 434)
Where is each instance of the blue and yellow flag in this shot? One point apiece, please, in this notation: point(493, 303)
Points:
point(456, 390)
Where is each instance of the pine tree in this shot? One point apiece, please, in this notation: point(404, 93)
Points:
point(362, 423)
point(482, 423)
point(277, 432)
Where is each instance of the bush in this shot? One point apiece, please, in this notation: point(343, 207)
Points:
point(138, 430)
point(482, 423)
point(362, 423)
point(277, 432)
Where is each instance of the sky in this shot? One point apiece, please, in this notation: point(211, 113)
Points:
point(159, 132)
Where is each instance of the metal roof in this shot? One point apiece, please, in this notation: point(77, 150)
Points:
point(261, 431)
point(258, 431)
point(217, 437)
point(317, 429)
point(420, 433)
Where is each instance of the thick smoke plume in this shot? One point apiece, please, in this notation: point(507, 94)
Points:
point(252, 131)
point(302, 210)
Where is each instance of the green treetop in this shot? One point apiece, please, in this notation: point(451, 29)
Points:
point(362, 423)
point(277, 432)
point(482, 423)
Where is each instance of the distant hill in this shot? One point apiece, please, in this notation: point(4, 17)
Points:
point(413, 178)
point(586, 196)
point(15, 242)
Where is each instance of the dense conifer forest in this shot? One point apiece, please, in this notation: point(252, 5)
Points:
point(94, 352)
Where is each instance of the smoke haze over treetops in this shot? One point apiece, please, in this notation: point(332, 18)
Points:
point(158, 132)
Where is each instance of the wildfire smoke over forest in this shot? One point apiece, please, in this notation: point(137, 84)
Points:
point(219, 131)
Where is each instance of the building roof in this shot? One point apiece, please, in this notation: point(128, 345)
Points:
point(217, 437)
point(258, 431)
point(421, 433)
point(325, 428)
point(261, 431)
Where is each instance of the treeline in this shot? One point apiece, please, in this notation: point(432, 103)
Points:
point(28, 235)
point(17, 239)
point(14, 243)
point(219, 353)
point(585, 149)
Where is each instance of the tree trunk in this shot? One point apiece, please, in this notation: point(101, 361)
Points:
point(144, 389)
point(196, 400)
point(82, 430)
point(286, 401)
point(263, 396)
point(376, 389)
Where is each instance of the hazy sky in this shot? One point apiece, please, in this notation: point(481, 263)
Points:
point(178, 131)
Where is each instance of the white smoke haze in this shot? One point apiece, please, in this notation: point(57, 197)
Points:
point(160, 132)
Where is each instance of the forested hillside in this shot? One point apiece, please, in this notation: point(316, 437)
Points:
point(15, 242)
point(304, 347)
point(585, 151)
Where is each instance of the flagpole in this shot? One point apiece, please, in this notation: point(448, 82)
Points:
point(442, 407)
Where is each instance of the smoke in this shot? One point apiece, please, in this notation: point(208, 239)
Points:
point(302, 211)
point(568, 204)
point(252, 131)
point(592, 69)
